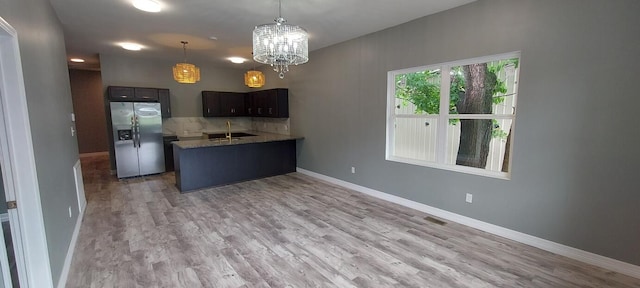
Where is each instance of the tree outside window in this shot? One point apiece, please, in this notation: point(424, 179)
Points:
point(456, 114)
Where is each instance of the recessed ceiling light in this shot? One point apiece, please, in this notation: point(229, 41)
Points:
point(147, 5)
point(213, 38)
point(237, 60)
point(77, 60)
point(131, 46)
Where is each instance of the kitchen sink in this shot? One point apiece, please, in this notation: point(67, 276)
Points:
point(223, 139)
point(233, 135)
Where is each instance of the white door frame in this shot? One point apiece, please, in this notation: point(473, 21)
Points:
point(7, 281)
point(18, 164)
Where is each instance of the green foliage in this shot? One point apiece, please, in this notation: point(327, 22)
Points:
point(456, 88)
point(422, 89)
point(497, 131)
point(495, 68)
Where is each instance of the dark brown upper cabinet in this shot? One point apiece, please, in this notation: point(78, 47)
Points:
point(210, 104)
point(165, 102)
point(120, 93)
point(223, 104)
point(145, 94)
point(138, 94)
point(273, 103)
point(232, 104)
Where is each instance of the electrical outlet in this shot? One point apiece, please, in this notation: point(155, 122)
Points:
point(353, 170)
point(469, 198)
point(73, 117)
point(70, 212)
point(73, 131)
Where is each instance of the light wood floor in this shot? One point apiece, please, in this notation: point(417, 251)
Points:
point(292, 231)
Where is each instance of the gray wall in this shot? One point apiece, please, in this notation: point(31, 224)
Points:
point(185, 98)
point(46, 79)
point(575, 156)
point(88, 105)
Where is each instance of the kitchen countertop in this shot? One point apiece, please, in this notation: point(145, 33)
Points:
point(202, 132)
point(259, 138)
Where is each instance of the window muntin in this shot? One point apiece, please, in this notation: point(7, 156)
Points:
point(466, 129)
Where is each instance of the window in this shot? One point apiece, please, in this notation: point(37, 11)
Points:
point(457, 116)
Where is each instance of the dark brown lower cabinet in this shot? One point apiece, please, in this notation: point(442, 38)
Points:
point(168, 152)
point(203, 167)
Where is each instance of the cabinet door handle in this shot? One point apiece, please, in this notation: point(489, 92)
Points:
point(249, 110)
point(208, 110)
point(259, 110)
point(270, 111)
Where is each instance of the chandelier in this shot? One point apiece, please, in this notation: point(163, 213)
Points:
point(280, 44)
point(185, 72)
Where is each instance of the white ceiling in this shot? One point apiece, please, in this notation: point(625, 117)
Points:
point(94, 27)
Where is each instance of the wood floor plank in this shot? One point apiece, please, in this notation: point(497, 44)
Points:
point(185, 278)
point(319, 265)
point(243, 268)
point(292, 231)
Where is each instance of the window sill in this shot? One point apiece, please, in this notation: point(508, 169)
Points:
point(455, 168)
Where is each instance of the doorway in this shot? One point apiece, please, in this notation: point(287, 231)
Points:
point(28, 239)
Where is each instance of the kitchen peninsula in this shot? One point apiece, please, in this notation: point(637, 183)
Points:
point(214, 162)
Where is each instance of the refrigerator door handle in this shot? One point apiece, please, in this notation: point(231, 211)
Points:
point(138, 132)
point(133, 131)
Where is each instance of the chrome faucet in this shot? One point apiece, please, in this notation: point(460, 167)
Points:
point(228, 134)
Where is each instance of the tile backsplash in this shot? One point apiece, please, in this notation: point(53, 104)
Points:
point(194, 125)
point(191, 125)
point(271, 125)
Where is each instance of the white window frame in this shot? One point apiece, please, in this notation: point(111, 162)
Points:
point(443, 118)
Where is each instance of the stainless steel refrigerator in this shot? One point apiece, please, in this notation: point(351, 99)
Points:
point(137, 134)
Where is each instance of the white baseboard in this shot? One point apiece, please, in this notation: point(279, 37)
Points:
point(4, 217)
point(72, 246)
point(77, 176)
point(560, 249)
point(104, 153)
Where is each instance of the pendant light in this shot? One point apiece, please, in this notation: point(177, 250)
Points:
point(254, 78)
point(185, 72)
point(280, 44)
